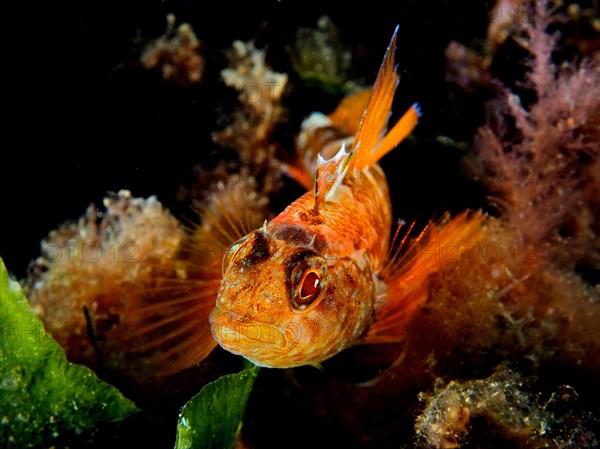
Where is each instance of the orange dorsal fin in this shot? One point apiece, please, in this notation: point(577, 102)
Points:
point(171, 329)
point(397, 134)
point(295, 172)
point(370, 144)
point(349, 112)
point(408, 270)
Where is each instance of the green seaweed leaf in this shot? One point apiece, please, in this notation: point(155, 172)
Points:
point(213, 418)
point(42, 395)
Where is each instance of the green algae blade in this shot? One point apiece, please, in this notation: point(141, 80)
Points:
point(42, 395)
point(213, 418)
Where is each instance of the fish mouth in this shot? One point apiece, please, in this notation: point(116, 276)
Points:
point(244, 336)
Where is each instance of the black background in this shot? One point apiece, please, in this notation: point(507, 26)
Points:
point(82, 118)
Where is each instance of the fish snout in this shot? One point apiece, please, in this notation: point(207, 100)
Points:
point(239, 334)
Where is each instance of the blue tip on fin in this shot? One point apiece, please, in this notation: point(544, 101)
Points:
point(417, 108)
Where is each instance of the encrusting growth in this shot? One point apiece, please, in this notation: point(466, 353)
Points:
point(107, 263)
point(177, 54)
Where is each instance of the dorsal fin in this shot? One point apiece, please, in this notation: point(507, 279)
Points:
point(348, 114)
point(370, 145)
point(329, 175)
point(376, 116)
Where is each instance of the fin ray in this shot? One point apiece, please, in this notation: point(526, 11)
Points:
point(398, 133)
point(406, 275)
point(370, 143)
point(169, 326)
point(376, 116)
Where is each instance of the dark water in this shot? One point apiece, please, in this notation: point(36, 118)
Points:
point(82, 118)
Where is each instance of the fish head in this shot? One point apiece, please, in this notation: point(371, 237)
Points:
point(287, 299)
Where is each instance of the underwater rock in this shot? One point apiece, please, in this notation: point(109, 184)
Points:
point(501, 411)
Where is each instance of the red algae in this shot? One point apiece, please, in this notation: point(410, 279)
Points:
point(521, 299)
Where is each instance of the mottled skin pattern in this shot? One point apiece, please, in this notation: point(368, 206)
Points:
point(345, 240)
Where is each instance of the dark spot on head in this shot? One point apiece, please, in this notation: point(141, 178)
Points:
point(259, 250)
point(295, 235)
point(300, 236)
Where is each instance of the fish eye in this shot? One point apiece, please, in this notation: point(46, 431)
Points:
point(310, 287)
point(308, 280)
point(231, 253)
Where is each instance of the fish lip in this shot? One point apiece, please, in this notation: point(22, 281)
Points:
point(219, 315)
point(234, 331)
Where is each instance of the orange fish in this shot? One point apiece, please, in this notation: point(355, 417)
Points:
point(321, 277)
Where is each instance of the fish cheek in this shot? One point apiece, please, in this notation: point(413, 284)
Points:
point(354, 301)
point(264, 295)
point(319, 333)
point(337, 321)
point(238, 289)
